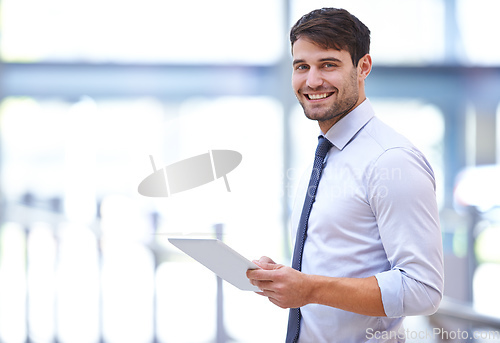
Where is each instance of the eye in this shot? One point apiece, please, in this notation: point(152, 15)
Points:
point(302, 67)
point(330, 65)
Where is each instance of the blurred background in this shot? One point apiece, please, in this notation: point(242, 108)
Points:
point(89, 90)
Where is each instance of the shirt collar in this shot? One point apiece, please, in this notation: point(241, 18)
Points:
point(346, 128)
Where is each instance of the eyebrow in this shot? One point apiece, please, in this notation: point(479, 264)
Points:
point(326, 59)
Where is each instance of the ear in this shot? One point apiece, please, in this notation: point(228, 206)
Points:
point(364, 67)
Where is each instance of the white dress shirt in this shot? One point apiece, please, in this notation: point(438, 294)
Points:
point(375, 214)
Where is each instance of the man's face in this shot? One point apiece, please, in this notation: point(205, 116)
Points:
point(325, 82)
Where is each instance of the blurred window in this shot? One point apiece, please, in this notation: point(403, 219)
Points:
point(148, 31)
point(478, 23)
point(487, 274)
point(13, 282)
point(99, 150)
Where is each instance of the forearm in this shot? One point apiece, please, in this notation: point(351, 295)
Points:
point(289, 288)
point(359, 295)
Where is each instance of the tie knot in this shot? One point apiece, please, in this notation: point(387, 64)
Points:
point(323, 146)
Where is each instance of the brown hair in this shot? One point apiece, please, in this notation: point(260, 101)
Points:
point(334, 28)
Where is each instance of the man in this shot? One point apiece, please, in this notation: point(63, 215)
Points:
point(373, 252)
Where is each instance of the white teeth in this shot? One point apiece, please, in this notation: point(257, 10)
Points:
point(317, 96)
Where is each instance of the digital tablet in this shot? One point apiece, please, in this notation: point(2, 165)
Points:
point(219, 258)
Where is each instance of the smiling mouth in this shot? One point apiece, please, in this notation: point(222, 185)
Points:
point(318, 96)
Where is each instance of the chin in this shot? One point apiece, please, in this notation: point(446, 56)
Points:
point(318, 116)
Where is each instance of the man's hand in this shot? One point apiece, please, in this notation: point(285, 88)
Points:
point(289, 288)
point(284, 286)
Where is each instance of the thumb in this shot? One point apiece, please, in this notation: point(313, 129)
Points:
point(265, 259)
point(267, 265)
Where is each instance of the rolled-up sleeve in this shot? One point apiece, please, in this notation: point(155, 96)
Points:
point(402, 197)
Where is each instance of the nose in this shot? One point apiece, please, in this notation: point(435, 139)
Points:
point(314, 78)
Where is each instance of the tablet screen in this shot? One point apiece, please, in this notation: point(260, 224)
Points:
point(225, 262)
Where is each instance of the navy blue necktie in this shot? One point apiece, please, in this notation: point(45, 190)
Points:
point(323, 146)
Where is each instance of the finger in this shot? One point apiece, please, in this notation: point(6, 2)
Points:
point(250, 273)
point(267, 293)
point(263, 285)
point(260, 275)
point(257, 262)
point(276, 302)
point(268, 266)
point(265, 259)
point(255, 274)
